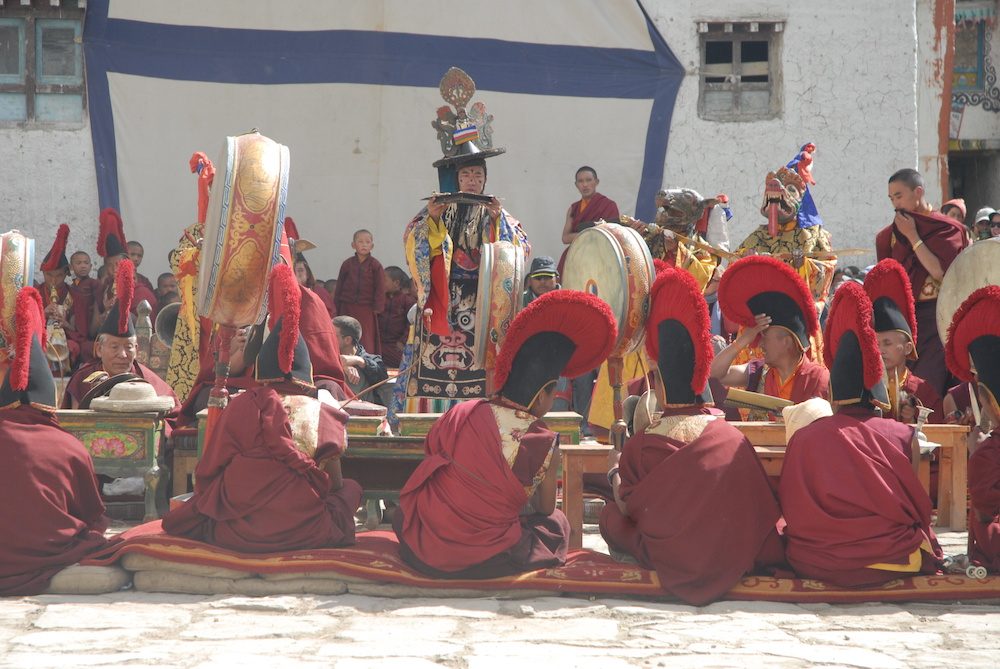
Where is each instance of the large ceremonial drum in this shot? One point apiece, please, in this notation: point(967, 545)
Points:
point(975, 267)
point(613, 262)
point(17, 262)
point(246, 212)
point(498, 299)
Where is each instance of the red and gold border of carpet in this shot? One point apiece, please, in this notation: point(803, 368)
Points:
point(375, 558)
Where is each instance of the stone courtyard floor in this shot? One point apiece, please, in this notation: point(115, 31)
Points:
point(133, 629)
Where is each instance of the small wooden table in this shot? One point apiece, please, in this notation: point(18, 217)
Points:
point(120, 444)
point(769, 443)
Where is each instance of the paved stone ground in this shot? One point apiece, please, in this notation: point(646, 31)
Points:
point(159, 630)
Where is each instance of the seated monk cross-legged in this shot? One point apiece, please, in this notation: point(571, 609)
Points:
point(270, 478)
point(855, 512)
point(972, 351)
point(53, 514)
point(482, 502)
point(692, 500)
point(771, 301)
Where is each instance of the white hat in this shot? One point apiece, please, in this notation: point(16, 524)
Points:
point(133, 397)
point(799, 415)
point(984, 214)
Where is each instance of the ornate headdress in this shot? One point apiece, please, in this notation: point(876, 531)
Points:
point(111, 236)
point(972, 350)
point(679, 338)
point(29, 380)
point(561, 333)
point(683, 209)
point(888, 287)
point(765, 285)
point(56, 257)
point(850, 350)
point(466, 135)
point(118, 321)
point(787, 195)
point(17, 267)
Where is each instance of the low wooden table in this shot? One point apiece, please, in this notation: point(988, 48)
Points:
point(121, 445)
point(769, 443)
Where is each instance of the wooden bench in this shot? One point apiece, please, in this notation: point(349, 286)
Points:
point(769, 443)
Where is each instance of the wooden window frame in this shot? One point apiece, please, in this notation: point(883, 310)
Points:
point(30, 87)
point(737, 32)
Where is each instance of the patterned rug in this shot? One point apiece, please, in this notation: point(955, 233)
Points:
point(374, 559)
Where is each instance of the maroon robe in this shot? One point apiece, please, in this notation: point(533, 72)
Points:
point(459, 513)
point(702, 514)
point(52, 515)
point(850, 500)
point(984, 490)
point(324, 349)
point(81, 346)
point(395, 327)
point(945, 238)
point(77, 389)
point(361, 294)
point(331, 307)
point(140, 293)
point(197, 398)
point(85, 291)
point(255, 492)
point(598, 208)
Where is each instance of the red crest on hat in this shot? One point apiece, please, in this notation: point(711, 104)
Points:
point(110, 225)
point(124, 291)
point(851, 310)
point(978, 316)
point(675, 295)
point(290, 229)
point(54, 257)
point(888, 279)
point(284, 298)
point(583, 318)
point(29, 320)
point(753, 275)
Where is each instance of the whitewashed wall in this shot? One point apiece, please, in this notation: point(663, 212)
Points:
point(848, 85)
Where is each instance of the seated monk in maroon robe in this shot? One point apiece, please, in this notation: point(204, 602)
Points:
point(771, 301)
point(692, 500)
point(973, 354)
point(271, 478)
point(925, 243)
point(116, 351)
point(588, 210)
point(855, 512)
point(482, 502)
point(895, 323)
point(52, 515)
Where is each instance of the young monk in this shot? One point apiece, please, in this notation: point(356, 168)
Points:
point(53, 514)
point(395, 326)
point(361, 289)
point(856, 513)
point(973, 354)
point(63, 304)
point(271, 479)
point(482, 502)
point(895, 321)
point(673, 480)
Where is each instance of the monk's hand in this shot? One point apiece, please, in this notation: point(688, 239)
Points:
point(975, 439)
point(352, 374)
point(435, 209)
point(763, 321)
point(669, 240)
point(908, 413)
point(493, 207)
point(614, 455)
point(905, 224)
point(109, 301)
point(238, 342)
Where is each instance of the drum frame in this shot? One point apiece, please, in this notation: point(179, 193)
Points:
point(498, 298)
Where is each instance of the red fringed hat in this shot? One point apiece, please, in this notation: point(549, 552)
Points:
point(888, 287)
point(118, 321)
point(290, 229)
point(850, 350)
point(765, 285)
point(56, 257)
point(111, 236)
point(29, 380)
point(561, 333)
point(679, 338)
point(972, 350)
point(283, 356)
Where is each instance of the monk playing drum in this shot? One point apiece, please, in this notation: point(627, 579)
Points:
point(482, 502)
point(270, 480)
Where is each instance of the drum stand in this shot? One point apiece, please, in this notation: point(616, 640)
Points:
point(218, 398)
point(618, 429)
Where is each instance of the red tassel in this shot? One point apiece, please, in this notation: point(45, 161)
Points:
point(110, 224)
point(676, 295)
point(889, 279)
point(285, 296)
point(58, 249)
point(851, 311)
point(28, 322)
point(124, 290)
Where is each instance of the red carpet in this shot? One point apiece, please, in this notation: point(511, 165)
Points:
point(375, 558)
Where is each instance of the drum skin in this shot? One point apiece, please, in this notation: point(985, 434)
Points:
point(975, 267)
point(17, 262)
point(613, 262)
point(501, 277)
point(246, 210)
